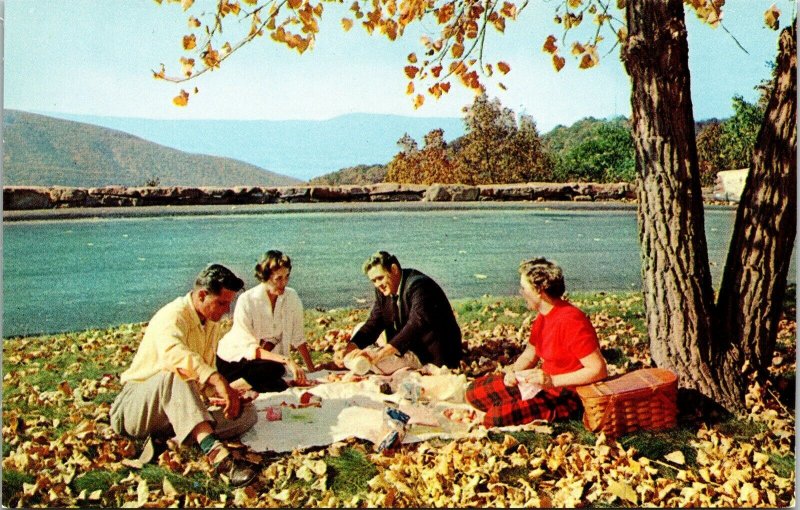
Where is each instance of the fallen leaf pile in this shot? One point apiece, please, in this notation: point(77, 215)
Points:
point(60, 451)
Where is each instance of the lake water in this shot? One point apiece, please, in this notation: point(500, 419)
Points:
point(69, 275)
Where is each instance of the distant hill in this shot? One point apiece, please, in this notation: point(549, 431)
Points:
point(359, 174)
point(301, 148)
point(47, 151)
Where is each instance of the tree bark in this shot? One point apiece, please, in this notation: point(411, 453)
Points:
point(676, 279)
point(754, 282)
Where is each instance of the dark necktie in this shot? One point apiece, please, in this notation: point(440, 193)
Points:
point(396, 312)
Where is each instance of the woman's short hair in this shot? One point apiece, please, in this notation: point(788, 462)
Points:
point(216, 277)
point(381, 258)
point(271, 261)
point(543, 275)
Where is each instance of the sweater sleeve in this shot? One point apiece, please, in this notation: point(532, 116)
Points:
point(294, 321)
point(169, 335)
point(237, 344)
point(243, 314)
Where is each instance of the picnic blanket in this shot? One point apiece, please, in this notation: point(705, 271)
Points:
point(354, 406)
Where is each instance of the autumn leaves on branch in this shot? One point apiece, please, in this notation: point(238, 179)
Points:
point(457, 51)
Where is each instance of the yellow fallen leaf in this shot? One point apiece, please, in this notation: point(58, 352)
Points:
point(676, 457)
point(142, 492)
point(771, 17)
point(623, 491)
point(168, 488)
point(749, 495)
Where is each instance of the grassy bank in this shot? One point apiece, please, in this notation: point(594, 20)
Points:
point(58, 448)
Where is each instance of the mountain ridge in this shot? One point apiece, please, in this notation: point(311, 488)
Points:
point(303, 149)
point(49, 151)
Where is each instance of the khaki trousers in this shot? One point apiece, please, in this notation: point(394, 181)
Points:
point(165, 404)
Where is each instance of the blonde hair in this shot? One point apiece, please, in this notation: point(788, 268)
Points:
point(544, 276)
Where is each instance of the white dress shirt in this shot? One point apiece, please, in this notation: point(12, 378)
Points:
point(255, 321)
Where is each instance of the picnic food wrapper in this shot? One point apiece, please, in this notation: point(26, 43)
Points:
point(357, 363)
point(396, 421)
point(528, 390)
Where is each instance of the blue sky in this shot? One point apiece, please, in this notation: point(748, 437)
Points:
point(95, 57)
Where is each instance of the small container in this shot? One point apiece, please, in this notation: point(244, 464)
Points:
point(395, 421)
point(392, 439)
point(274, 413)
point(411, 391)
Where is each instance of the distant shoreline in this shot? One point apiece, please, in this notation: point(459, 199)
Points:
point(339, 207)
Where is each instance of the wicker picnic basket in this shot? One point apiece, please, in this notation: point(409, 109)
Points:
point(643, 399)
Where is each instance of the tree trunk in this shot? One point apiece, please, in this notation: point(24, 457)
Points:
point(753, 285)
point(676, 280)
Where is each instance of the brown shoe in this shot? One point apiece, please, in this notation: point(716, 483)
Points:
point(238, 473)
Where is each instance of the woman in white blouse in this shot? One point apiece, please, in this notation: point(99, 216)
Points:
point(267, 323)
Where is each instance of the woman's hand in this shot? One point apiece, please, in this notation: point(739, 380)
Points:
point(297, 373)
point(541, 378)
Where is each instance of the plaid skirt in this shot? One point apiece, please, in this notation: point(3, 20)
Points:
point(504, 406)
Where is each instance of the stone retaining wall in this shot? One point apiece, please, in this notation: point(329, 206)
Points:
point(33, 197)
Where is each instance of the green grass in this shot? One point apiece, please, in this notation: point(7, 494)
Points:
point(48, 361)
point(12, 484)
point(655, 445)
point(490, 309)
point(349, 473)
point(100, 480)
point(741, 429)
point(195, 482)
point(784, 465)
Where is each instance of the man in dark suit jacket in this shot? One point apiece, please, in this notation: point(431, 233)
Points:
point(413, 311)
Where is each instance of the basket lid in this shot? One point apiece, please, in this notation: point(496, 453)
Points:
point(636, 380)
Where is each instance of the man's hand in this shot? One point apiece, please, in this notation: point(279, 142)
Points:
point(385, 351)
point(231, 397)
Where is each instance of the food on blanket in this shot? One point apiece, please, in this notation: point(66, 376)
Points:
point(274, 413)
point(357, 362)
point(305, 401)
point(307, 383)
point(460, 415)
point(345, 377)
point(308, 398)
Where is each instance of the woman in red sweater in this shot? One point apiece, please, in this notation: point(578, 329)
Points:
point(562, 338)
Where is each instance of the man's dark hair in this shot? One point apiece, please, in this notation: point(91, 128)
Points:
point(216, 277)
point(383, 259)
